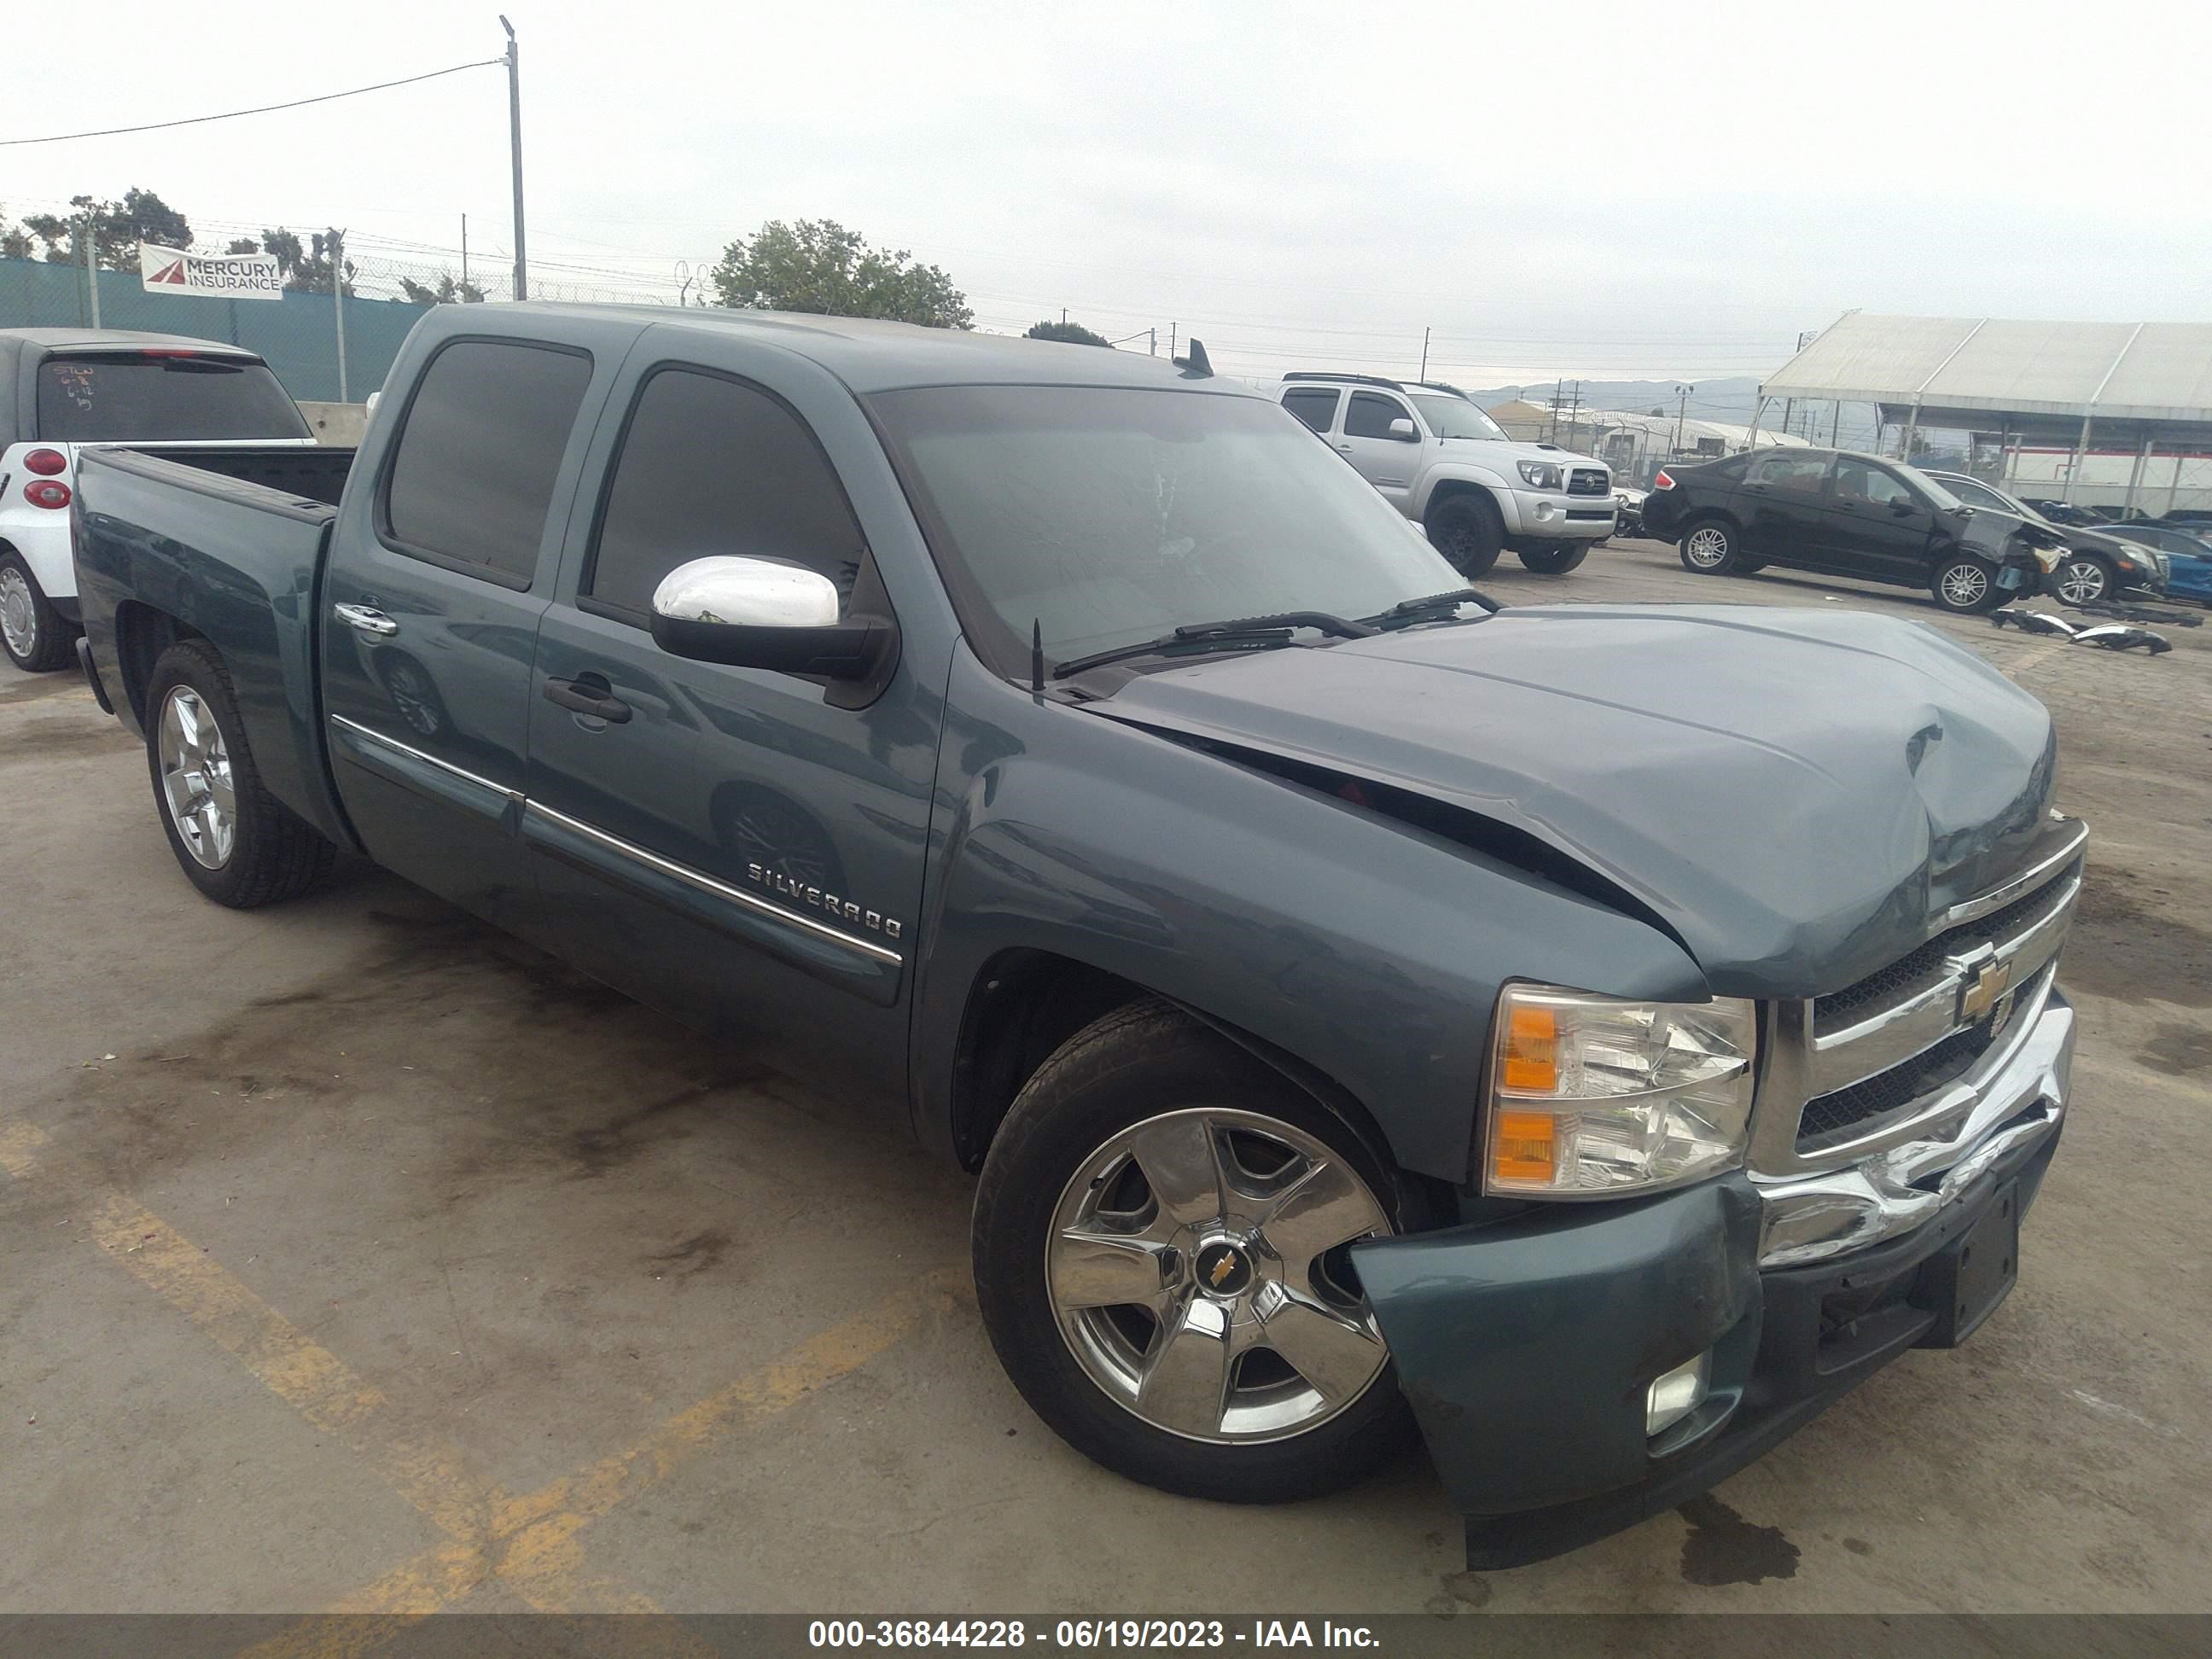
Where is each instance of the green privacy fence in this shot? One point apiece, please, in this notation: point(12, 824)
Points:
point(297, 335)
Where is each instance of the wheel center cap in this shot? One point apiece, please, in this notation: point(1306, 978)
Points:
point(1223, 1270)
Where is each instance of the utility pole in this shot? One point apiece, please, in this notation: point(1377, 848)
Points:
point(1558, 396)
point(91, 269)
point(514, 150)
point(1836, 426)
point(1171, 342)
point(1063, 316)
point(1424, 374)
point(338, 297)
point(1681, 411)
point(464, 255)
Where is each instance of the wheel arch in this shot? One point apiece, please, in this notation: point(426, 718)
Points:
point(142, 633)
point(1447, 489)
point(1024, 1003)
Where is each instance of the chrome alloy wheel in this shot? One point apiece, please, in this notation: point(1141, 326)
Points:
point(1707, 547)
point(196, 783)
point(1197, 1269)
point(1966, 584)
point(2081, 581)
point(19, 614)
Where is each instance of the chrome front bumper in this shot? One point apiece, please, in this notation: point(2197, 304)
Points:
point(2018, 1100)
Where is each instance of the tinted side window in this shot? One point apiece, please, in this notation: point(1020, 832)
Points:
point(1858, 481)
point(709, 467)
point(473, 472)
point(1785, 471)
point(1370, 415)
point(1315, 405)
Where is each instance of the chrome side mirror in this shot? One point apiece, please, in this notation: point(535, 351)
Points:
point(764, 613)
point(1402, 430)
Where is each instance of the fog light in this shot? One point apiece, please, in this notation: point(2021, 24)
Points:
point(1673, 1397)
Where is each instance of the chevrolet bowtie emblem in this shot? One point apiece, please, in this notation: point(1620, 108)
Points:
point(1980, 997)
point(1222, 1269)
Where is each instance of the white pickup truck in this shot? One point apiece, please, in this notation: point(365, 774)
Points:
point(63, 388)
point(1443, 463)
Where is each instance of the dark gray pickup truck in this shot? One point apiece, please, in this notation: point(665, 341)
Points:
point(1598, 1036)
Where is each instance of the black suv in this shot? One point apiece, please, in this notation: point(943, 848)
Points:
point(1844, 515)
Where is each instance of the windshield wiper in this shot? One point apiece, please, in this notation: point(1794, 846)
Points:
point(1407, 612)
point(1238, 634)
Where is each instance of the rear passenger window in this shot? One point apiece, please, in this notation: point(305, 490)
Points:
point(709, 467)
point(1315, 405)
point(1786, 471)
point(473, 474)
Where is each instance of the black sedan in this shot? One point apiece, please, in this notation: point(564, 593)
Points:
point(1846, 514)
point(2097, 564)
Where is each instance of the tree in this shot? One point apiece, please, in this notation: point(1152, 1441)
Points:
point(817, 265)
point(1074, 333)
point(118, 228)
point(14, 242)
point(447, 292)
point(307, 266)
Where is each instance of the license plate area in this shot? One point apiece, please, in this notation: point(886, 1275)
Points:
point(1964, 1283)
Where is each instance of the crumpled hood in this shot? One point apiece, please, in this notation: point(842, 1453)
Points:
point(1798, 794)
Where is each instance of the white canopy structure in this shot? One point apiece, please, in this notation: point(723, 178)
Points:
point(2136, 390)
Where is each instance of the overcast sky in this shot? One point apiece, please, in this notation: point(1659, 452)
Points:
point(1611, 191)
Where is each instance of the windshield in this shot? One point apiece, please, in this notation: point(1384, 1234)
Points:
point(1112, 516)
point(124, 398)
point(1455, 418)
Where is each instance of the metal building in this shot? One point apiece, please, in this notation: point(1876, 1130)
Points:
point(2110, 414)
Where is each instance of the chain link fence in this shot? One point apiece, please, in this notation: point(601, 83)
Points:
point(297, 336)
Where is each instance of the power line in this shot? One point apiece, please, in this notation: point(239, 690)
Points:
point(263, 109)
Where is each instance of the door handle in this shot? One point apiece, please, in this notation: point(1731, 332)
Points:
point(587, 693)
point(366, 619)
point(1347, 448)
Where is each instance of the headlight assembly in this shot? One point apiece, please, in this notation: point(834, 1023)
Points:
point(1593, 1096)
point(1539, 475)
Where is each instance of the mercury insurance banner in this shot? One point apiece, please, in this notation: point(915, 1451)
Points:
point(217, 276)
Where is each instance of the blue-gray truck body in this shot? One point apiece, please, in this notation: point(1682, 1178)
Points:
point(1339, 856)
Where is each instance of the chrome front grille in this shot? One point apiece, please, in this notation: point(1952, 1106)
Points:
point(1588, 481)
point(1850, 1070)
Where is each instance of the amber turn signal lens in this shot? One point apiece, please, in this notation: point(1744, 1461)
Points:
point(1525, 1147)
point(1532, 1051)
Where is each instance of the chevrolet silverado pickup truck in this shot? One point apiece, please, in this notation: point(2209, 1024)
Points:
point(61, 388)
point(1594, 1038)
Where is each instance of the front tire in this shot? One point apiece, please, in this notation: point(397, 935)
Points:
point(1160, 1253)
point(1466, 529)
point(1554, 561)
point(1966, 586)
point(1710, 547)
point(32, 631)
point(233, 839)
point(2083, 578)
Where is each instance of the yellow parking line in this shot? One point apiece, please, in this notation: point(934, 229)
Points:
point(529, 1544)
point(534, 1546)
point(305, 1375)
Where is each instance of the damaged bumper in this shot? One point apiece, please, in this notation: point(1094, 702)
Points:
point(1528, 1347)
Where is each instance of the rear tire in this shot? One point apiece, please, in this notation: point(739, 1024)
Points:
point(32, 631)
point(234, 841)
point(1555, 560)
point(1466, 529)
point(1277, 1385)
point(1711, 547)
point(1966, 586)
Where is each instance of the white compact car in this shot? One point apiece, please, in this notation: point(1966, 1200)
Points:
point(63, 388)
point(1440, 459)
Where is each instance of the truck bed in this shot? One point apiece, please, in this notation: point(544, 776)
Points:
point(227, 544)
